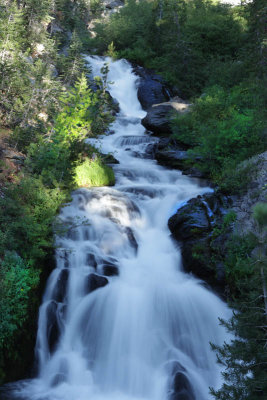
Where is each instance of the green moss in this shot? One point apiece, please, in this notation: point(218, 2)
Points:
point(94, 173)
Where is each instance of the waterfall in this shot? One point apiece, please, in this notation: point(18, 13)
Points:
point(120, 320)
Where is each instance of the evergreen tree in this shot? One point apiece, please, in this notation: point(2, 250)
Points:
point(245, 357)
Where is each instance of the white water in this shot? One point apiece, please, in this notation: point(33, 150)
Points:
point(123, 341)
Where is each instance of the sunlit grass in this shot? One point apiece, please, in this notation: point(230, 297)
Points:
point(94, 173)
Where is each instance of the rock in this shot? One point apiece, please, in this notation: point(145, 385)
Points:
point(172, 158)
point(111, 4)
point(192, 226)
point(53, 330)
point(90, 260)
point(109, 159)
point(152, 89)
point(131, 238)
point(256, 169)
point(180, 388)
point(158, 118)
point(13, 155)
point(190, 221)
point(60, 290)
point(94, 282)
point(109, 268)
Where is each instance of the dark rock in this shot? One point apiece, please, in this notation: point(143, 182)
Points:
point(110, 159)
point(158, 119)
point(61, 287)
point(173, 158)
point(90, 260)
point(195, 173)
point(192, 226)
point(190, 221)
point(150, 151)
point(94, 282)
point(131, 238)
point(151, 88)
point(53, 330)
point(180, 388)
point(109, 268)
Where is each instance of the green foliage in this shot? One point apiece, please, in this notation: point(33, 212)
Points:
point(244, 358)
point(92, 172)
point(260, 214)
point(223, 127)
point(81, 115)
point(27, 210)
point(17, 280)
point(181, 40)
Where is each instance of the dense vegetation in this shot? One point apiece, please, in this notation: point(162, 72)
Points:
point(49, 107)
point(213, 54)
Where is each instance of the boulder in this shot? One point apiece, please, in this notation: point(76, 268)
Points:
point(94, 282)
point(91, 260)
point(109, 267)
point(152, 89)
point(192, 226)
point(158, 118)
point(179, 385)
point(182, 389)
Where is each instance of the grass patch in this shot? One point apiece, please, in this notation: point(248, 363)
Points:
point(94, 173)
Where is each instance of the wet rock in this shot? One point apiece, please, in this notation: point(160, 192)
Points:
point(94, 282)
point(190, 221)
point(192, 226)
point(150, 151)
point(61, 288)
point(182, 389)
point(53, 330)
point(90, 260)
point(131, 238)
point(109, 268)
point(172, 158)
point(152, 89)
point(58, 379)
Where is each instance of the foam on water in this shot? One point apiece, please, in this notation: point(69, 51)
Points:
point(124, 341)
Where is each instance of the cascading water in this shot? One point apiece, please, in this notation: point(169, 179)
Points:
point(120, 320)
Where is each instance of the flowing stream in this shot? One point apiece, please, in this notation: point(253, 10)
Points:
point(120, 320)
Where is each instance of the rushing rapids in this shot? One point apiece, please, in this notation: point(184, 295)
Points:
point(120, 320)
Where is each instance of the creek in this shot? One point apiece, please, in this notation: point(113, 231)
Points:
point(120, 320)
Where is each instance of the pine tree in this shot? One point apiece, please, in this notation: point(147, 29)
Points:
point(245, 357)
